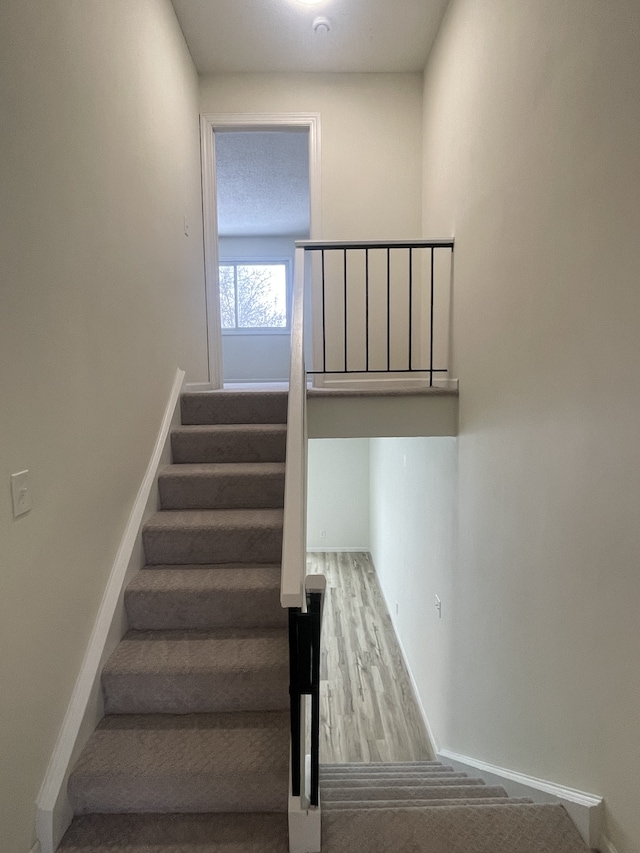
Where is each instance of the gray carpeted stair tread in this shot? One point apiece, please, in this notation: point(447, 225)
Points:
point(222, 485)
point(389, 779)
point(435, 802)
point(178, 672)
point(213, 536)
point(177, 833)
point(229, 443)
point(234, 407)
point(388, 792)
point(384, 766)
point(184, 764)
point(205, 596)
point(363, 771)
point(505, 828)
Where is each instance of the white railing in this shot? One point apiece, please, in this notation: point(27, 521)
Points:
point(296, 590)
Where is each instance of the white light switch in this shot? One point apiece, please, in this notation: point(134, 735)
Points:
point(20, 493)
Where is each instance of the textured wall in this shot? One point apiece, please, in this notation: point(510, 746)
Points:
point(531, 131)
point(102, 299)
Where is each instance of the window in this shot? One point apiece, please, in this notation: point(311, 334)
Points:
point(254, 295)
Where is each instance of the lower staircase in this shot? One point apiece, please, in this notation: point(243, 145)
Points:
point(193, 752)
point(426, 807)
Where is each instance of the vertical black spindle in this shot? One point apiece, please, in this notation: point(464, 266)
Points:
point(410, 301)
point(344, 252)
point(324, 322)
point(431, 329)
point(388, 309)
point(314, 607)
point(366, 278)
point(294, 699)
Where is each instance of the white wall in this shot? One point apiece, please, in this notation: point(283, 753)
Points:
point(371, 137)
point(256, 356)
point(102, 298)
point(338, 494)
point(412, 517)
point(532, 121)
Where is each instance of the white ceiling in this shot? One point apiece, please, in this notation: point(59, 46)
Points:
point(262, 183)
point(278, 36)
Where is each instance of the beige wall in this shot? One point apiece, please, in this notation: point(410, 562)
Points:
point(371, 167)
point(102, 299)
point(338, 494)
point(532, 121)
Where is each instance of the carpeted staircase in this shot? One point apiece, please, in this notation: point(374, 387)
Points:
point(193, 752)
point(426, 807)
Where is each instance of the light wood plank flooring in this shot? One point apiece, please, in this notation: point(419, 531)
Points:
point(368, 712)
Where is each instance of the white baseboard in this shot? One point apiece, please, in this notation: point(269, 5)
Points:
point(326, 549)
point(584, 809)
point(85, 710)
point(36, 848)
point(197, 387)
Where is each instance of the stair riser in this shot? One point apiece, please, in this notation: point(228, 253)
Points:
point(159, 693)
point(220, 492)
point(368, 770)
point(443, 793)
point(236, 447)
point(418, 805)
point(391, 792)
point(424, 781)
point(207, 546)
point(176, 611)
point(204, 793)
point(234, 408)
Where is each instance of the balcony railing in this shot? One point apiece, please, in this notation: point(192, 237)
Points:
point(380, 307)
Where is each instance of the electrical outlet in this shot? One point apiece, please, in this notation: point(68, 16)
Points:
point(323, 534)
point(21, 493)
point(438, 606)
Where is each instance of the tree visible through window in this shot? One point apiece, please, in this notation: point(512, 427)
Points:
point(253, 295)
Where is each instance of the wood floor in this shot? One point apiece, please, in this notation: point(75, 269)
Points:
point(368, 712)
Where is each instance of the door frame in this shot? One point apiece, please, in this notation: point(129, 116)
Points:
point(209, 123)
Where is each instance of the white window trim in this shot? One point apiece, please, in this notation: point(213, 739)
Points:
point(276, 260)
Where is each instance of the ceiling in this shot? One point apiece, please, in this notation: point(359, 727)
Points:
point(278, 36)
point(262, 183)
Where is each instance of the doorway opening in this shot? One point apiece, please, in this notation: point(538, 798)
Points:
point(260, 179)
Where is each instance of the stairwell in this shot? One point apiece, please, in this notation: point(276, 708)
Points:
point(193, 751)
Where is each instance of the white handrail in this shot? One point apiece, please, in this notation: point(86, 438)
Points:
point(294, 547)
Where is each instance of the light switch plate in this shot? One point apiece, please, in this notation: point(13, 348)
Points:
point(21, 493)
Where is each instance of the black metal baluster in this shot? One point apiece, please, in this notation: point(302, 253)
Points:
point(366, 276)
point(294, 698)
point(345, 308)
point(324, 323)
point(314, 608)
point(410, 301)
point(431, 327)
point(388, 310)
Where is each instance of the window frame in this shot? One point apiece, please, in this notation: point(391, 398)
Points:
point(287, 262)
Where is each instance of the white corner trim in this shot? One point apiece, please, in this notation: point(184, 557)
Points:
point(197, 387)
point(584, 809)
point(332, 549)
point(606, 846)
point(53, 810)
